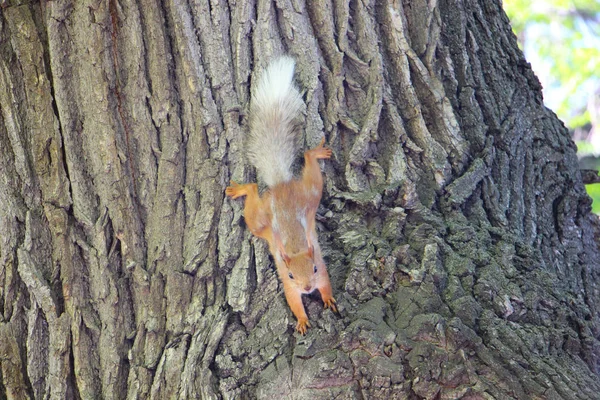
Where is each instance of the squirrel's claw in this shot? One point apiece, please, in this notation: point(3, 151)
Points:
point(321, 151)
point(330, 303)
point(302, 326)
point(234, 191)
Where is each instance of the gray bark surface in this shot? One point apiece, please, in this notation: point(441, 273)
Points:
point(454, 222)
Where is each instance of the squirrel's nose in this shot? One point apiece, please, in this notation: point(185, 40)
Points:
point(307, 288)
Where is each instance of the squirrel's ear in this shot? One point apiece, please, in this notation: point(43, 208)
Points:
point(281, 249)
point(311, 252)
point(285, 257)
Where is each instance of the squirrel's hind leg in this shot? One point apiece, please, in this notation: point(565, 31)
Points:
point(312, 182)
point(320, 151)
point(257, 211)
point(311, 174)
point(236, 190)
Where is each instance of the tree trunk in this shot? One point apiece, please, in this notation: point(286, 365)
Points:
point(454, 222)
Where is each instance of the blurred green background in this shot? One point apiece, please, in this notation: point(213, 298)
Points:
point(561, 40)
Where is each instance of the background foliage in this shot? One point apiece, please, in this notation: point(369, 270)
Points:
point(561, 39)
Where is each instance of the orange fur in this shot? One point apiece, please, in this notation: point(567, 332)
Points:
point(285, 217)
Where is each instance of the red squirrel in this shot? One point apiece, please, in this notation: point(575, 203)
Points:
point(285, 214)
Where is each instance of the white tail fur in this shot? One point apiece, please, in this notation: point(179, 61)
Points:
point(272, 142)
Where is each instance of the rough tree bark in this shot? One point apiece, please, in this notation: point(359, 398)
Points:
point(454, 222)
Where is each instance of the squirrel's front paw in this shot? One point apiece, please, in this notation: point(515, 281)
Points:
point(302, 325)
point(330, 303)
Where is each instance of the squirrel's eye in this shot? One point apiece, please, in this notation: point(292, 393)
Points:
point(291, 276)
point(315, 269)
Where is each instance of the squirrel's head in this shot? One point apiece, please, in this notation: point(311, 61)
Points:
point(302, 270)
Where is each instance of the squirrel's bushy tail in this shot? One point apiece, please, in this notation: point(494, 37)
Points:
point(272, 142)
